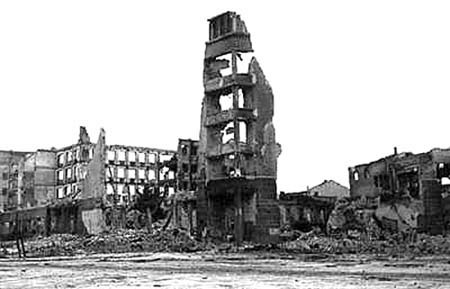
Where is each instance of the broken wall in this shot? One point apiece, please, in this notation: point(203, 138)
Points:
point(414, 180)
point(94, 183)
point(44, 177)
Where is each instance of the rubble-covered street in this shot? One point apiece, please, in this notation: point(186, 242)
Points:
point(237, 270)
point(171, 258)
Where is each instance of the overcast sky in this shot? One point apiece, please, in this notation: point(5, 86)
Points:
point(352, 79)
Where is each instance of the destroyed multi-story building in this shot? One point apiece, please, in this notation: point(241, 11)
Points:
point(411, 190)
point(237, 149)
point(63, 183)
point(187, 167)
point(10, 161)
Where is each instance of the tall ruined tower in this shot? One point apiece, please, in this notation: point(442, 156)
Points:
point(237, 152)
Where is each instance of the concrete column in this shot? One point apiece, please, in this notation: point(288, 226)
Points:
point(238, 222)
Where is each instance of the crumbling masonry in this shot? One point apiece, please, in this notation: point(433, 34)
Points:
point(237, 149)
point(412, 190)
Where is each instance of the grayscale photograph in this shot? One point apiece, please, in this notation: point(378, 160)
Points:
point(224, 144)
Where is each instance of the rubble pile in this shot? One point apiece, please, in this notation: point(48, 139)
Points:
point(119, 241)
point(388, 244)
point(55, 245)
point(139, 240)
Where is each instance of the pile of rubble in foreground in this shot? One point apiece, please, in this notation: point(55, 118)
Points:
point(174, 240)
point(114, 242)
point(388, 244)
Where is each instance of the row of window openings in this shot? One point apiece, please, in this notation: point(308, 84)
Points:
point(121, 190)
point(65, 191)
point(69, 156)
point(164, 173)
point(130, 189)
point(67, 174)
point(133, 157)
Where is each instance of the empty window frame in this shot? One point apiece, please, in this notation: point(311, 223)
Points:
point(131, 174)
point(110, 189)
point(69, 173)
point(60, 175)
point(151, 158)
point(243, 61)
point(227, 133)
point(121, 155)
point(241, 102)
point(61, 159)
point(132, 190)
point(141, 158)
point(131, 157)
point(142, 174)
point(121, 173)
point(120, 188)
point(165, 157)
point(226, 102)
point(60, 193)
point(242, 131)
point(111, 156)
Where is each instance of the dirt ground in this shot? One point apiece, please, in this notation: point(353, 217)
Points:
point(203, 270)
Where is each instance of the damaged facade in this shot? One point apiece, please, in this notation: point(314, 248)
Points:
point(237, 148)
point(81, 188)
point(184, 202)
point(411, 190)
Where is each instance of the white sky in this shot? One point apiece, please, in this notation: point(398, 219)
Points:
point(352, 79)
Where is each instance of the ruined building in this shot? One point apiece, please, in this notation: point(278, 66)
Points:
point(72, 189)
point(187, 167)
point(10, 164)
point(237, 149)
point(411, 190)
point(224, 183)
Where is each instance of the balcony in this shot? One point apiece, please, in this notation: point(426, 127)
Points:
point(222, 83)
point(229, 115)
